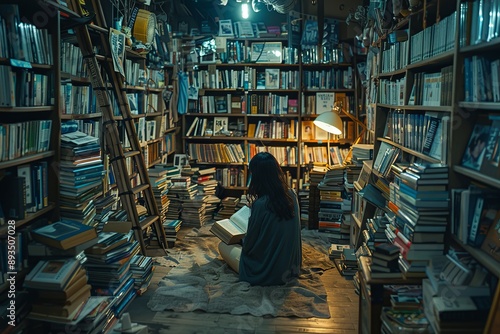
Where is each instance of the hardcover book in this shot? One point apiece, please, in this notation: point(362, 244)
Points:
point(52, 274)
point(64, 234)
point(232, 230)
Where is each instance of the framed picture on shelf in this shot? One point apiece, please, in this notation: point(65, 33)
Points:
point(267, 52)
point(272, 78)
point(308, 130)
point(220, 126)
point(226, 28)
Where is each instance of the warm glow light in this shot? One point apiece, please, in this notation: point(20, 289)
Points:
point(329, 121)
point(244, 10)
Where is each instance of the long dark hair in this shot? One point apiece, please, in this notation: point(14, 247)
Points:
point(267, 178)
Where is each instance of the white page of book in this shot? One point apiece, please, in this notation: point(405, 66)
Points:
point(240, 218)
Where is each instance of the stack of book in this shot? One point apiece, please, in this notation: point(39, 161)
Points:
point(331, 222)
point(227, 208)
point(423, 208)
point(450, 273)
point(108, 268)
point(61, 289)
point(159, 183)
point(207, 185)
point(194, 210)
point(335, 250)
point(384, 261)
point(181, 190)
point(142, 272)
point(171, 227)
point(96, 317)
point(103, 209)
point(81, 173)
point(348, 264)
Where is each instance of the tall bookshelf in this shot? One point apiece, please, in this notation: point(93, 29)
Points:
point(30, 135)
point(263, 115)
point(441, 40)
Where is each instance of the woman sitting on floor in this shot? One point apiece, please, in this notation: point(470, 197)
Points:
point(271, 252)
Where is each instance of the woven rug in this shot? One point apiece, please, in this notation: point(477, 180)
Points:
point(201, 280)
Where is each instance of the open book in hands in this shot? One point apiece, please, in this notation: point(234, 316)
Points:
point(232, 230)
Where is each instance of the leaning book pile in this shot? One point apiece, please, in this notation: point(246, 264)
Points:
point(81, 173)
point(421, 194)
point(108, 268)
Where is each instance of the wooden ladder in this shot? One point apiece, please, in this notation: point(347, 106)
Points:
point(114, 148)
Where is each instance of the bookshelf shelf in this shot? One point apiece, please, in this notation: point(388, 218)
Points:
point(440, 59)
point(478, 176)
point(273, 115)
point(480, 105)
point(337, 90)
point(419, 107)
point(412, 152)
point(275, 140)
point(486, 46)
point(215, 138)
point(28, 109)
point(29, 217)
point(329, 65)
point(157, 161)
point(74, 78)
point(171, 130)
point(216, 115)
point(392, 73)
point(153, 114)
point(81, 116)
point(482, 257)
point(254, 91)
point(26, 159)
point(221, 163)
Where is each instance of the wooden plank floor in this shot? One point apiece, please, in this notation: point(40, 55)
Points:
point(343, 302)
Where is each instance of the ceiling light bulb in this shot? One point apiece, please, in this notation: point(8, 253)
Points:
point(244, 10)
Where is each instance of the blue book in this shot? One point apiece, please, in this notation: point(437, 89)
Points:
point(418, 194)
point(64, 234)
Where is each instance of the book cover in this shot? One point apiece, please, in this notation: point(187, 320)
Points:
point(52, 274)
point(324, 102)
point(64, 234)
point(474, 152)
point(490, 163)
point(272, 80)
point(232, 230)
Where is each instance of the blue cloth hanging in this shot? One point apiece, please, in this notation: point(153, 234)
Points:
point(182, 102)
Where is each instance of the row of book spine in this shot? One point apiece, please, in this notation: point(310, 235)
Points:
point(21, 40)
point(24, 138)
point(25, 88)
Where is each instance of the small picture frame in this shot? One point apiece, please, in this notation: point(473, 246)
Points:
point(226, 28)
point(221, 126)
point(272, 78)
point(181, 160)
point(308, 132)
point(267, 52)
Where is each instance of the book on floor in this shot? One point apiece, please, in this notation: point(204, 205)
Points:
point(232, 230)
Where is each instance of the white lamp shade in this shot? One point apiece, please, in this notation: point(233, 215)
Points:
point(329, 121)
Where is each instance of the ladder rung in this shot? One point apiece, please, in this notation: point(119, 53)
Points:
point(129, 154)
point(148, 222)
point(97, 28)
point(140, 188)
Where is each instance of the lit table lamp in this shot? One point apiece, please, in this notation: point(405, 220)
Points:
point(332, 123)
